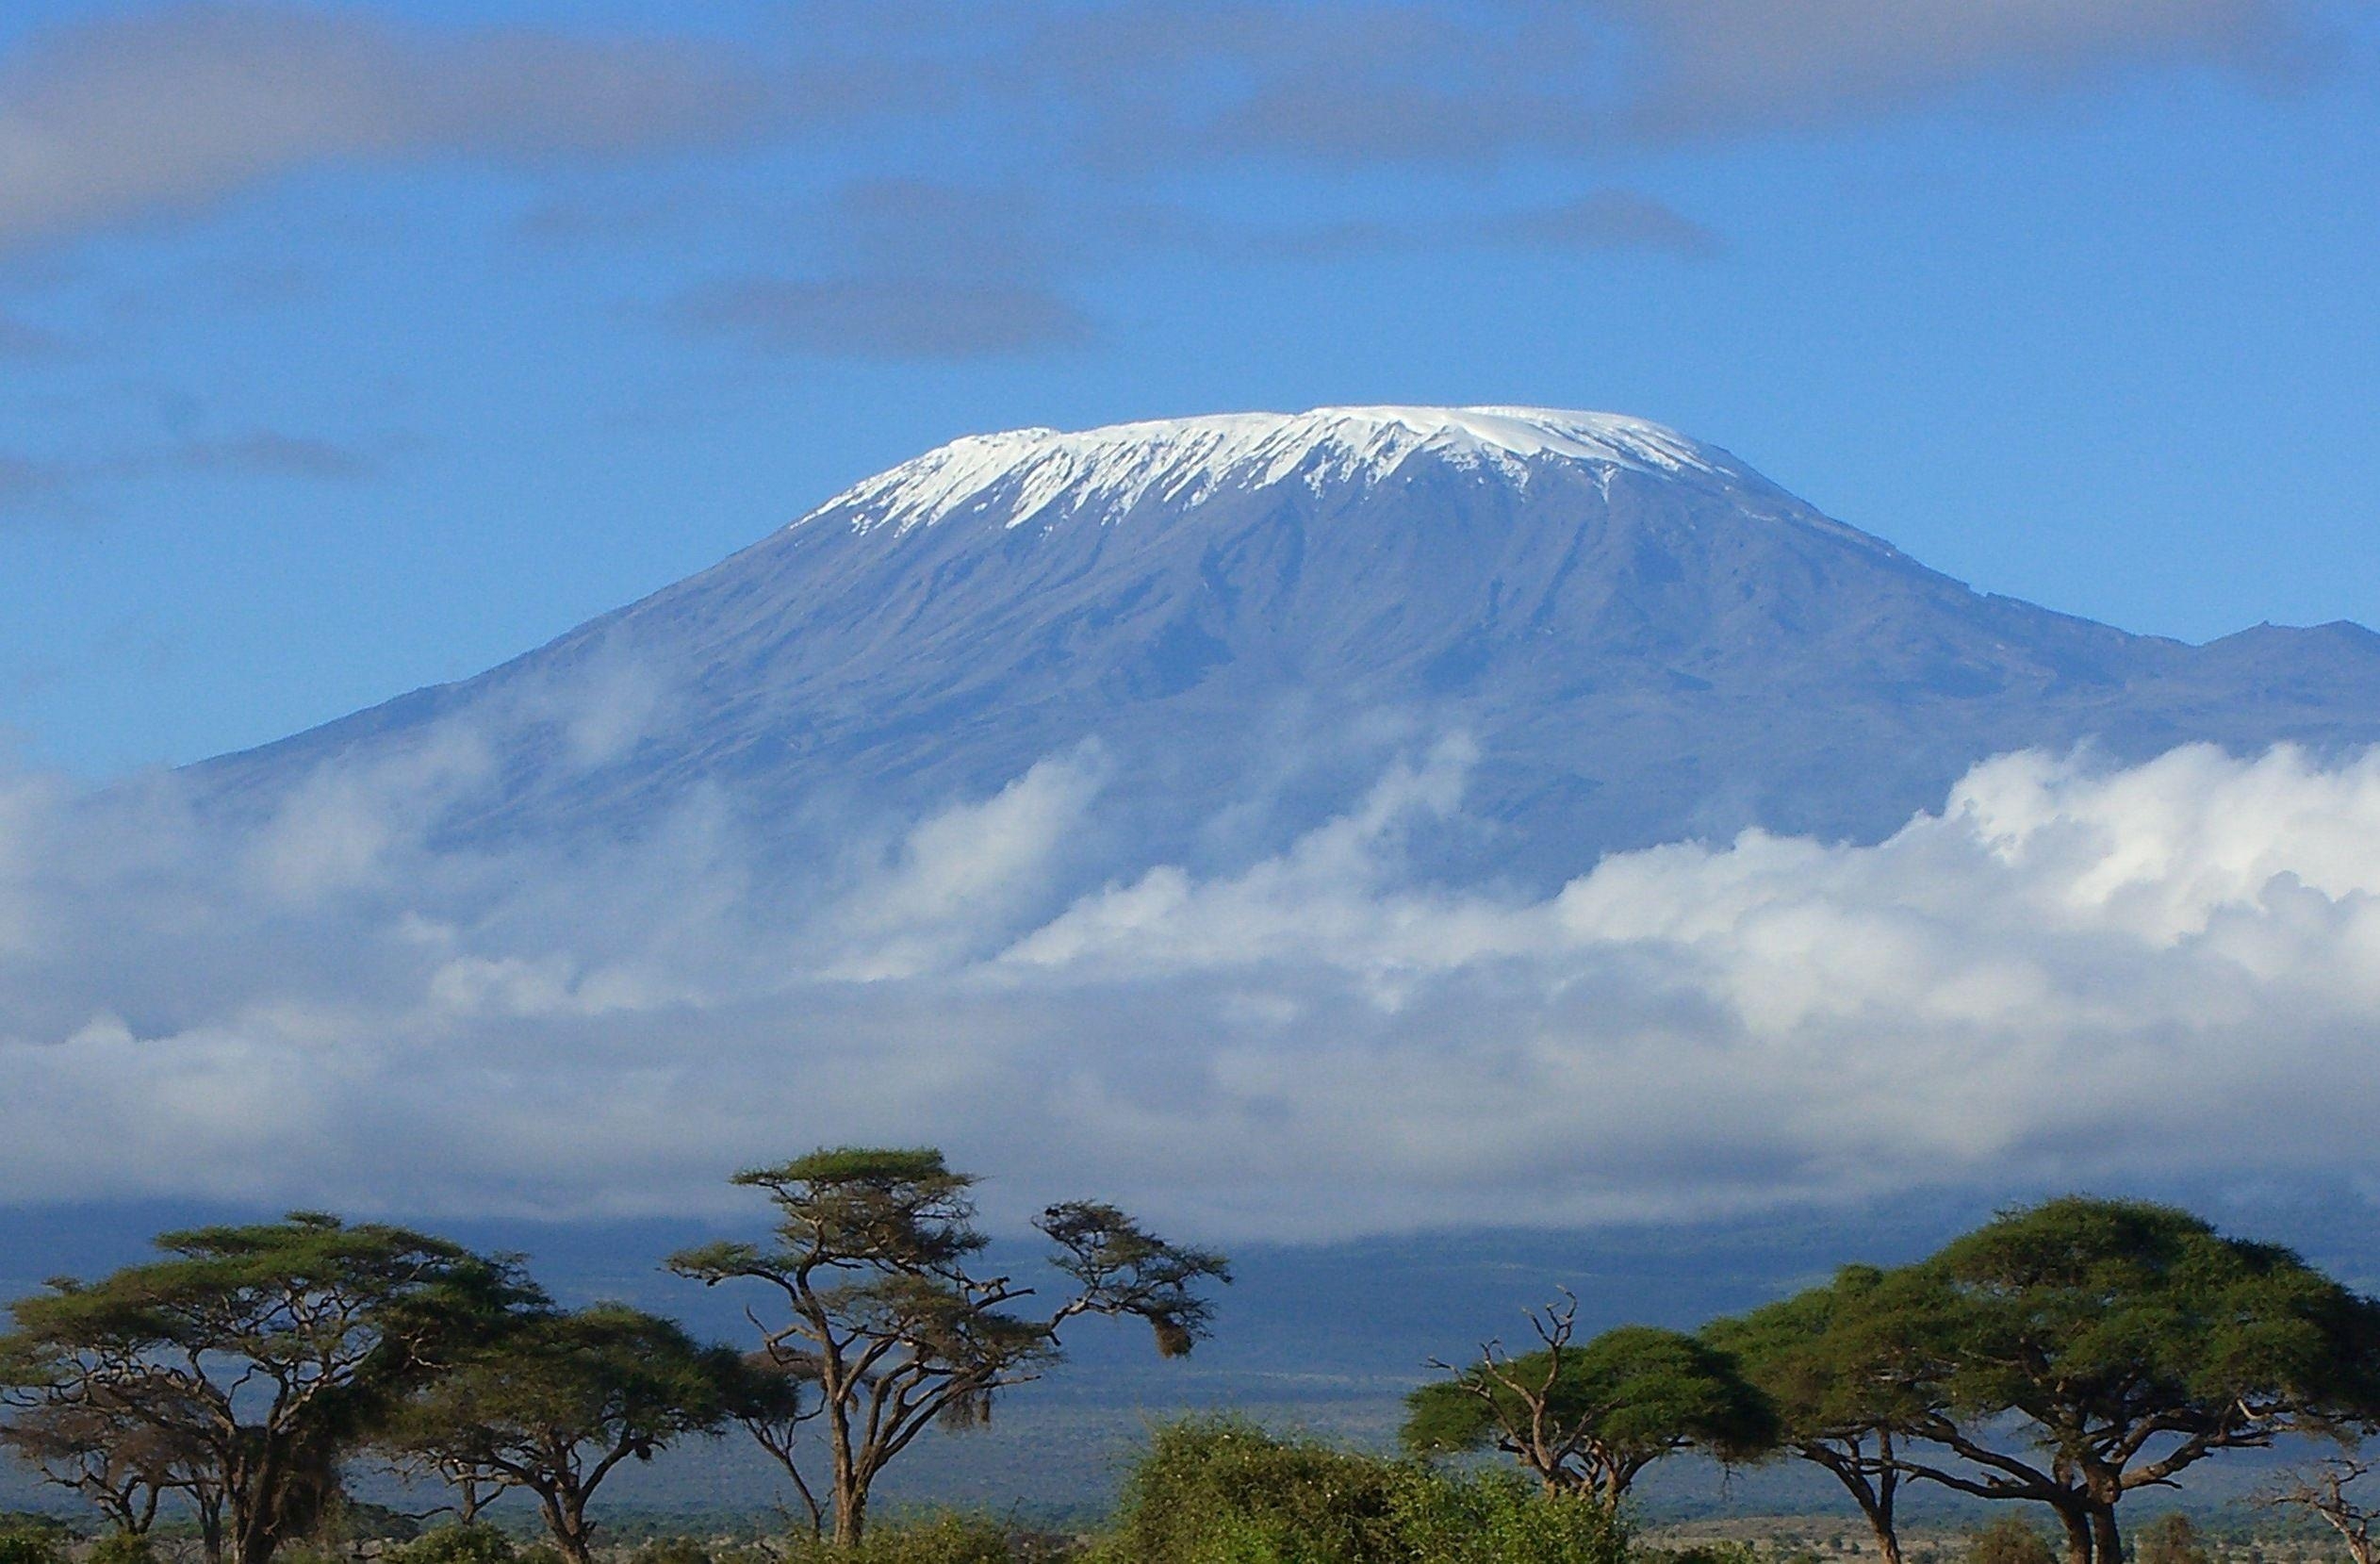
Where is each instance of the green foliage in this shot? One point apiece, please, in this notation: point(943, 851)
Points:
point(671, 1549)
point(947, 1539)
point(260, 1354)
point(30, 1545)
point(2122, 1309)
point(348, 1518)
point(2008, 1540)
point(889, 1329)
point(1611, 1407)
point(1225, 1491)
point(1220, 1491)
point(2171, 1538)
point(1816, 1356)
point(1500, 1518)
point(558, 1402)
point(1700, 1553)
point(121, 1547)
point(609, 1378)
point(475, 1543)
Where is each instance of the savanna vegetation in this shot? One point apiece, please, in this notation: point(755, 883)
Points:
point(2050, 1368)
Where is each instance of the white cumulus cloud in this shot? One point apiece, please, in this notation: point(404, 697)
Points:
point(2066, 974)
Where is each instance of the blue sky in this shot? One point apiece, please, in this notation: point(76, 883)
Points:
point(345, 349)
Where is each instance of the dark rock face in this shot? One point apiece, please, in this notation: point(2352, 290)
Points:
point(1642, 647)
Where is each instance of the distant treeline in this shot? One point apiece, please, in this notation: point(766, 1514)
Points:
point(2066, 1356)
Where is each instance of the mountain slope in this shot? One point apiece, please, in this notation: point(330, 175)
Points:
point(1250, 614)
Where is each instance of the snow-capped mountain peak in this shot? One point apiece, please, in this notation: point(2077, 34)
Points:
point(1113, 469)
point(1250, 615)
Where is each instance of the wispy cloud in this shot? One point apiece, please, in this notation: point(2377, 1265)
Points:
point(925, 270)
point(264, 452)
point(883, 317)
point(171, 109)
point(1404, 81)
point(23, 339)
point(73, 486)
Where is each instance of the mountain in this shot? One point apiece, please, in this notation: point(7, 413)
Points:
point(1249, 614)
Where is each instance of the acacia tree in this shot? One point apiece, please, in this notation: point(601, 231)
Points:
point(557, 1403)
point(1843, 1388)
point(2321, 1490)
point(875, 1262)
point(121, 1463)
point(262, 1355)
point(2080, 1351)
point(1587, 1418)
point(778, 1401)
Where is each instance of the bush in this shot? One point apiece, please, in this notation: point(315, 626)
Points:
point(2010, 1540)
point(121, 1547)
point(940, 1539)
point(671, 1549)
point(1220, 1491)
point(2171, 1538)
point(1223, 1491)
point(1702, 1553)
point(22, 1544)
point(474, 1543)
point(1500, 1518)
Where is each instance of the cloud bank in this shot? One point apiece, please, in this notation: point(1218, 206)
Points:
point(2066, 974)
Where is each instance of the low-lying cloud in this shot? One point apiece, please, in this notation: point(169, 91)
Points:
point(2066, 974)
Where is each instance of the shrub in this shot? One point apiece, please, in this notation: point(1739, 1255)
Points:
point(671, 1549)
point(474, 1543)
point(1223, 1491)
point(1701, 1553)
point(23, 1544)
point(2010, 1540)
point(121, 1547)
point(1500, 1518)
point(938, 1540)
point(2171, 1538)
point(1220, 1491)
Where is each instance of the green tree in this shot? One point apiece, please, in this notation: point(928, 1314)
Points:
point(1840, 1385)
point(558, 1402)
point(875, 1260)
point(2174, 1539)
point(264, 1353)
point(2081, 1350)
point(1587, 1418)
point(2010, 1540)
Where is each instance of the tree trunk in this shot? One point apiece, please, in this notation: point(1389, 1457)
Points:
point(2078, 1535)
point(251, 1538)
point(851, 1511)
point(1875, 1498)
point(566, 1518)
point(1887, 1489)
point(210, 1521)
point(2106, 1542)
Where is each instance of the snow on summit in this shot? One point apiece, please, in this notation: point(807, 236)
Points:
point(1114, 468)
